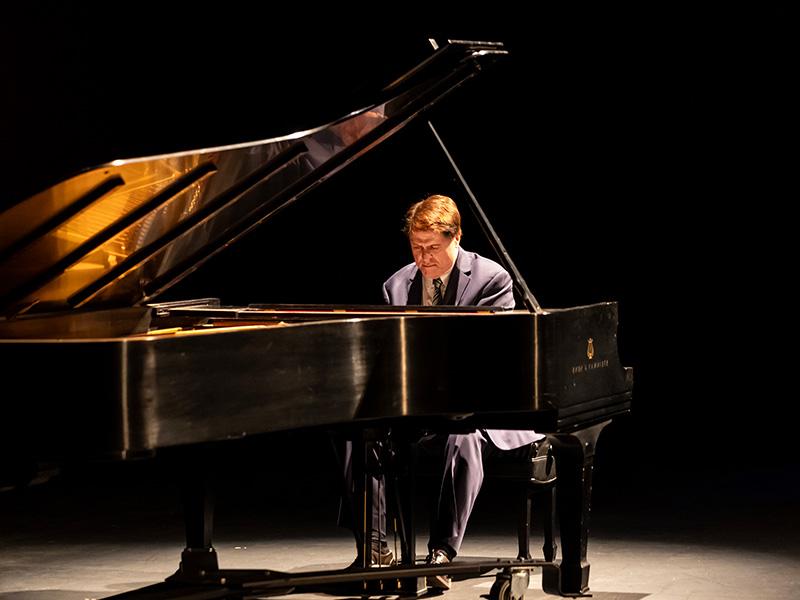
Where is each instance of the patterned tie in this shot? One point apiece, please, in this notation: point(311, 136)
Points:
point(437, 292)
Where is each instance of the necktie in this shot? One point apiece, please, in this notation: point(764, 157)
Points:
point(437, 292)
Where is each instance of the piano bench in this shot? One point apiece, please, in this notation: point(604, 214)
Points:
point(534, 467)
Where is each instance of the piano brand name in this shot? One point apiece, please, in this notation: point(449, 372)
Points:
point(591, 366)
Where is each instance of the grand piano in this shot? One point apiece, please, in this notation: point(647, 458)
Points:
point(83, 266)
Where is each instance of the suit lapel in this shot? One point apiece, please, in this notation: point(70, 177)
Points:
point(451, 292)
point(415, 289)
point(464, 268)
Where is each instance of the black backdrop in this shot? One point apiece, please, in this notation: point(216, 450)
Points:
point(633, 156)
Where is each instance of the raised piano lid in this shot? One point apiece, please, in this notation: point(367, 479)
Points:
point(119, 234)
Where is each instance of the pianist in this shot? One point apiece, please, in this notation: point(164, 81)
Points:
point(444, 273)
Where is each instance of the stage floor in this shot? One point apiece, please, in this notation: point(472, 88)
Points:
point(98, 533)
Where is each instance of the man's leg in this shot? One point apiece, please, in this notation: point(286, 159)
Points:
point(461, 483)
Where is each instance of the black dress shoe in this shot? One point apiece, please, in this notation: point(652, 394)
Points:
point(382, 558)
point(442, 581)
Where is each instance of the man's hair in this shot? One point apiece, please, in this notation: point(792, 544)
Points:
point(434, 213)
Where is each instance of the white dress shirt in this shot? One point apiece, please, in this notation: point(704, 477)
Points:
point(429, 290)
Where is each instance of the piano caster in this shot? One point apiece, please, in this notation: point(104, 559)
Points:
point(511, 584)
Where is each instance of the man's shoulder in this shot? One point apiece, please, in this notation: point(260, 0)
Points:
point(403, 273)
point(482, 265)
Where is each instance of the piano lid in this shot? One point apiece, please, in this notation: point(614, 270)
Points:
point(121, 233)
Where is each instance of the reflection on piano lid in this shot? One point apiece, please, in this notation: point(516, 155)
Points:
point(121, 233)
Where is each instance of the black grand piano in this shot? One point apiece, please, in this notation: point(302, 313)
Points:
point(82, 267)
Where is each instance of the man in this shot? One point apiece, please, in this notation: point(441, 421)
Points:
point(445, 273)
point(442, 272)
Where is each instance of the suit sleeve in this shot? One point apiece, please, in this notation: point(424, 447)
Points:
point(499, 291)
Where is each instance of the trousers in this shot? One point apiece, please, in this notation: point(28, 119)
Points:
point(462, 469)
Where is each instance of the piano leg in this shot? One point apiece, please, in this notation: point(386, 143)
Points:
point(199, 558)
point(389, 455)
point(574, 454)
point(401, 450)
point(400, 482)
point(360, 456)
point(366, 491)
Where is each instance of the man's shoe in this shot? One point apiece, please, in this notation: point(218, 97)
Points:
point(382, 558)
point(442, 581)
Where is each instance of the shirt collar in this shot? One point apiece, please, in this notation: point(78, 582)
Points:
point(427, 285)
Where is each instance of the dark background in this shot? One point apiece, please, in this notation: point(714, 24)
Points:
point(638, 156)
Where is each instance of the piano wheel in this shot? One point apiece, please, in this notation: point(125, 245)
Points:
point(511, 584)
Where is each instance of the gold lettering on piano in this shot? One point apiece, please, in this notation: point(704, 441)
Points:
point(589, 366)
point(590, 349)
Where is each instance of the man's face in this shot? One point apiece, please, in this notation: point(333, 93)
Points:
point(433, 252)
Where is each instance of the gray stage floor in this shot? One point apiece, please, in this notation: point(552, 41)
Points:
point(95, 534)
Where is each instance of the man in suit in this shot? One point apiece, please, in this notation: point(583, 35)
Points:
point(444, 273)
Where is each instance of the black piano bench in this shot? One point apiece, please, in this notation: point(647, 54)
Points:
point(534, 467)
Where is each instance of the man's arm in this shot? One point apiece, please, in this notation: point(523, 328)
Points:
point(499, 291)
point(395, 289)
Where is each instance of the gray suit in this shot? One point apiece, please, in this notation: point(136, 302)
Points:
point(474, 281)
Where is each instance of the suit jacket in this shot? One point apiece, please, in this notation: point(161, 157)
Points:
point(474, 281)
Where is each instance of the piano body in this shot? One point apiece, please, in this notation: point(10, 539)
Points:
point(82, 265)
